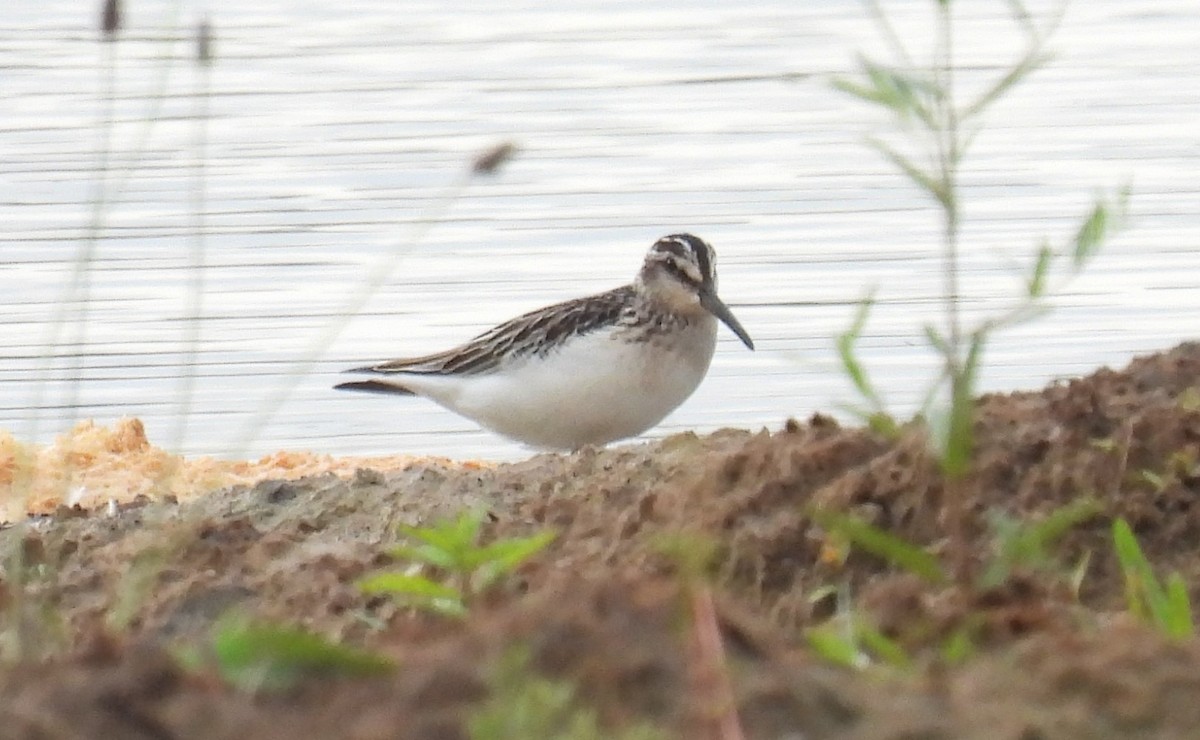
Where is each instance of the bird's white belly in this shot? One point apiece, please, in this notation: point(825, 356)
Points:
point(592, 390)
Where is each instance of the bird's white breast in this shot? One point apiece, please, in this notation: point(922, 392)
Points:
point(592, 389)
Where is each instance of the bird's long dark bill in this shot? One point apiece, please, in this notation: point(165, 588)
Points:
point(717, 307)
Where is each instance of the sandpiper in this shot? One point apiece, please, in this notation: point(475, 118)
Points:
point(587, 371)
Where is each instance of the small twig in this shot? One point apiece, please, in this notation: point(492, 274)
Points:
point(485, 164)
point(1123, 448)
point(195, 294)
point(712, 674)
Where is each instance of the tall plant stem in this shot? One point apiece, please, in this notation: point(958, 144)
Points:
point(949, 152)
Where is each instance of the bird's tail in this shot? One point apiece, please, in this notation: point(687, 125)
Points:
point(375, 386)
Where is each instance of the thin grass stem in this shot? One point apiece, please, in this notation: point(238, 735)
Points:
point(194, 296)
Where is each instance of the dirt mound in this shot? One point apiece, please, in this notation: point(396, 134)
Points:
point(604, 608)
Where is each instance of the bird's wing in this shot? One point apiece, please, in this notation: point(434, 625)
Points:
point(536, 332)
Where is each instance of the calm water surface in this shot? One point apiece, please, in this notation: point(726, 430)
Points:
point(336, 132)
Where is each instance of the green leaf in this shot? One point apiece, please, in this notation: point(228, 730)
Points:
point(504, 556)
point(881, 544)
point(1158, 481)
point(1189, 400)
point(1026, 544)
point(1180, 624)
point(884, 424)
point(862, 413)
point(959, 646)
point(417, 591)
point(271, 657)
point(1134, 567)
point(959, 444)
point(1102, 221)
point(405, 584)
point(851, 640)
point(445, 544)
point(887, 649)
point(1022, 69)
point(880, 422)
point(1035, 285)
point(1167, 607)
point(692, 553)
point(930, 183)
point(867, 94)
point(452, 545)
point(1021, 314)
point(1091, 234)
point(846, 345)
point(1054, 525)
point(903, 94)
point(830, 643)
point(428, 554)
point(936, 340)
point(507, 554)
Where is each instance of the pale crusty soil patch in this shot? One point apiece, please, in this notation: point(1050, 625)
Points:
point(92, 465)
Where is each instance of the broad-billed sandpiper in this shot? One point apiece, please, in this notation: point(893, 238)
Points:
point(586, 371)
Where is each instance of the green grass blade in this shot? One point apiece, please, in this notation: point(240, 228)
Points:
point(959, 444)
point(1179, 609)
point(1134, 567)
point(1091, 234)
point(1057, 523)
point(1035, 285)
point(1019, 543)
point(1015, 74)
point(829, 643)
point(887, 649)
point(936, 340)
point(959, 646)
point(255, 656)
point(1167, 607)
point(846, 344)
point(881, 544)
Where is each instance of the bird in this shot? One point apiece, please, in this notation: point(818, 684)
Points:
point(587, 371)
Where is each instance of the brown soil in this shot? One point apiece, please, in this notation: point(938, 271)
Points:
point(109, 595)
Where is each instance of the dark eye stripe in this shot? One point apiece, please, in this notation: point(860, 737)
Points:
point(678, 272)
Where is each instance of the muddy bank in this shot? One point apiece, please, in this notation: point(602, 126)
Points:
point(107, 597)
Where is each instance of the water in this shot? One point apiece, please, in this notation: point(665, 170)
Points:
point(337, 130)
